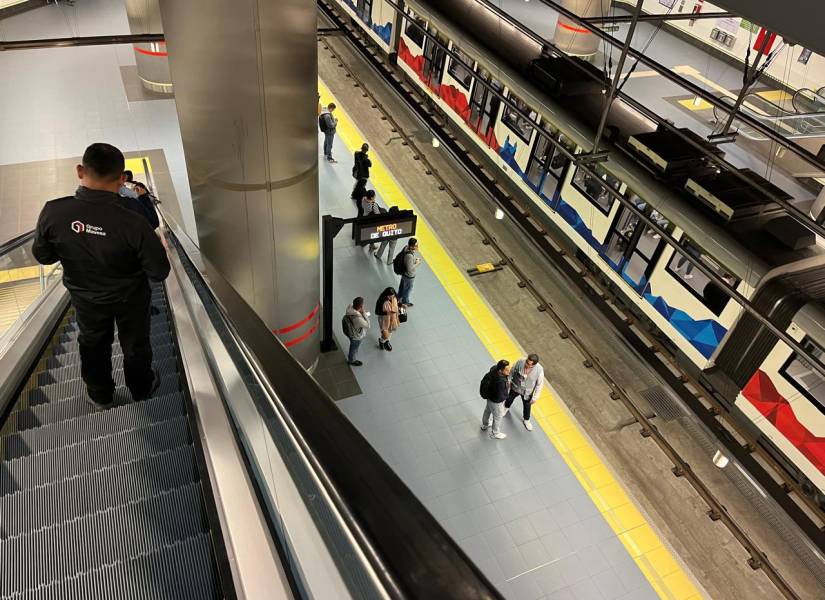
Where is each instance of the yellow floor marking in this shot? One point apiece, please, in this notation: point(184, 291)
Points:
point(605, 491)
point(776, 96)
point(691, 104)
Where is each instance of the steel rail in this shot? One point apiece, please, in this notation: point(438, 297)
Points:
point(656, 18)
point(758, 559)
point(70, 42)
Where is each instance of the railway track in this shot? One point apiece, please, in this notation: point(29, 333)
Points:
point(700, 400)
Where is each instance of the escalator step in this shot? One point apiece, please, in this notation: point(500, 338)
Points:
point(76, 389)
point(66, 359)
point(92, 426)
point(181, 571)
point(157, 339)
point(60, 374)
point(70, 461)
point(69, 499)
point(112, 535)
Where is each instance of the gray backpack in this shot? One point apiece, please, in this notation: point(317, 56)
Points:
point(346, 325)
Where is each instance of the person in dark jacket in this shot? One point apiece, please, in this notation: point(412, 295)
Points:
point(108, 259)
point(496, 393)
point(361, 172)
point(147, 202)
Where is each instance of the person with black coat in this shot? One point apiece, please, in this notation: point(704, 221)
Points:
point(361, 172)
point(494, 389)
point(108, 258)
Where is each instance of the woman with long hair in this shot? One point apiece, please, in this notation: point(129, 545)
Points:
point(386, 308)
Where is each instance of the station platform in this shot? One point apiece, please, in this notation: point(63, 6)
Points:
point(539, 512)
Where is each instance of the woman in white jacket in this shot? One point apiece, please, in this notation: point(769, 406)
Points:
point(526, 380)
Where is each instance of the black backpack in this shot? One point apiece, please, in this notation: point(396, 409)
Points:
point(398, 266)
point(485, 389)
point(346, 325)
point(322, 123)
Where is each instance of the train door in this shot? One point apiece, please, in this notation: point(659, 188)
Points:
point(434, 59)
point(484, 104)
point(364, 10)
point(547, 165)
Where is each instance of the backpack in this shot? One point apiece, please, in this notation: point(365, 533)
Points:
point(322, 123)
point(398, 266)
point(346, 325)
point(485, 388)
point(355, 169)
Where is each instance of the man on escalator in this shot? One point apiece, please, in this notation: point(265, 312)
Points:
point(108, 259)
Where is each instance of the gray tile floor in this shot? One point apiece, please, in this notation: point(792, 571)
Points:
point(513, 505)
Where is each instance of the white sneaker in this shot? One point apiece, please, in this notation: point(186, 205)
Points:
point(528, 426)
point(688, 276)
point(484, 427)
point(498, 436)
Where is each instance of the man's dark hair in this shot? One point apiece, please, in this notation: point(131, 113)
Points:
point(129, 175)
point(412, 243)
point(533, 358)
point(370, 194)
point(358, 303)
point(500, 365)
point(104, 161)
point(331, 106)
point(365, 147)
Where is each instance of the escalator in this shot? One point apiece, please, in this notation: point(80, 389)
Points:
point(238, 478)
point(130, 472)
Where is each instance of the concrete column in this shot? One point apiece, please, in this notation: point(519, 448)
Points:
point(570, 36)
point(246, 80)
point(151, 57)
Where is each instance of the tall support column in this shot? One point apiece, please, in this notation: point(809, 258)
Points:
point(570, 36)
point(151, 58)
point(246, 80)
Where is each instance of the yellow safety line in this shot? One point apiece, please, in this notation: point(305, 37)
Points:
point(655, 561)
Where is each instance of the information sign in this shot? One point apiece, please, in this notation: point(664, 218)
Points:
point(373, 229)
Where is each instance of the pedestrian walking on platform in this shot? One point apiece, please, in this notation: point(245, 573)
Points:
point(355, 324)
point(386, 308)
point(405, 264)
point(361, 171)
point(388, 245)
point(526, 381)
point(369, 207)
point(493, 389)
point(108, 259)
point(328, 124)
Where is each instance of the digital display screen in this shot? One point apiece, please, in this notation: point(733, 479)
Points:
point(386, 226)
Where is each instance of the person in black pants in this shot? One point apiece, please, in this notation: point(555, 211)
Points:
point(360, 172)
point(108, 259)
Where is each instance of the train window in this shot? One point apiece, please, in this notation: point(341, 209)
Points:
point(415, 29)
point(434, 58)
point(594, 188)
point(519, 120)
point(699, 284)
point(802, 375)
point(484, 104)
point(459, 72)
point(364, 10)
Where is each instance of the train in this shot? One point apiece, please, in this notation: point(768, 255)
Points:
point(466, 56)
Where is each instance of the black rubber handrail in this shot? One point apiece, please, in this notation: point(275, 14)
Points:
point(408, 549)
point(16, 242)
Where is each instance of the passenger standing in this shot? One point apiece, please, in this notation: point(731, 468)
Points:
point(494, 391)
point(355, 324)
point(108, 259)
point(361, 172)
point(127, 187)
point(387, 243)
point(386, 307)
point(147, 202)
point(408, 268)
point(327, 123)
point(369, 207)
point(526, 380)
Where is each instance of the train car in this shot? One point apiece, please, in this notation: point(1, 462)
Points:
point(746, 239)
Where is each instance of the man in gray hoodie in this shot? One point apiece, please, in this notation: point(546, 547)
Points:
point(411, 262)
point(526, 380)
point(356, 322)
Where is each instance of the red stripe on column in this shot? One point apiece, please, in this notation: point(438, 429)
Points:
point(300, 323)
point(150, 52)
point(573, 29)
point(303, 336)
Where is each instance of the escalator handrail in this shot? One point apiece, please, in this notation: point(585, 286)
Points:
point(407, 547)
point(16, 242)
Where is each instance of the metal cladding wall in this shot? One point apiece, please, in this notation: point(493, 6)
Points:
point(245, 76)
point(151, 57)
point(570, 36)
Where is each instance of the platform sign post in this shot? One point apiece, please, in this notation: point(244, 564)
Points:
point(371, 229)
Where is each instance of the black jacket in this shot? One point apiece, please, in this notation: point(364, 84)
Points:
point(108, 252)
point(362, 165)
point(499, 387)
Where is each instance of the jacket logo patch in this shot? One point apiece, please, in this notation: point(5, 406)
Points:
point(79, 227)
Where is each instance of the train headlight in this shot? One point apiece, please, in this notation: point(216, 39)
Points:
point(499, 214)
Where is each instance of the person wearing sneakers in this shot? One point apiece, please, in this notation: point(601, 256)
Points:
point(369, 207)
point(494, 388)
point(108, 257)
point(355, 324)
point(328, 124)
point(388, 245)
point(386, 308)
point(526, 380)
point(410, 264)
